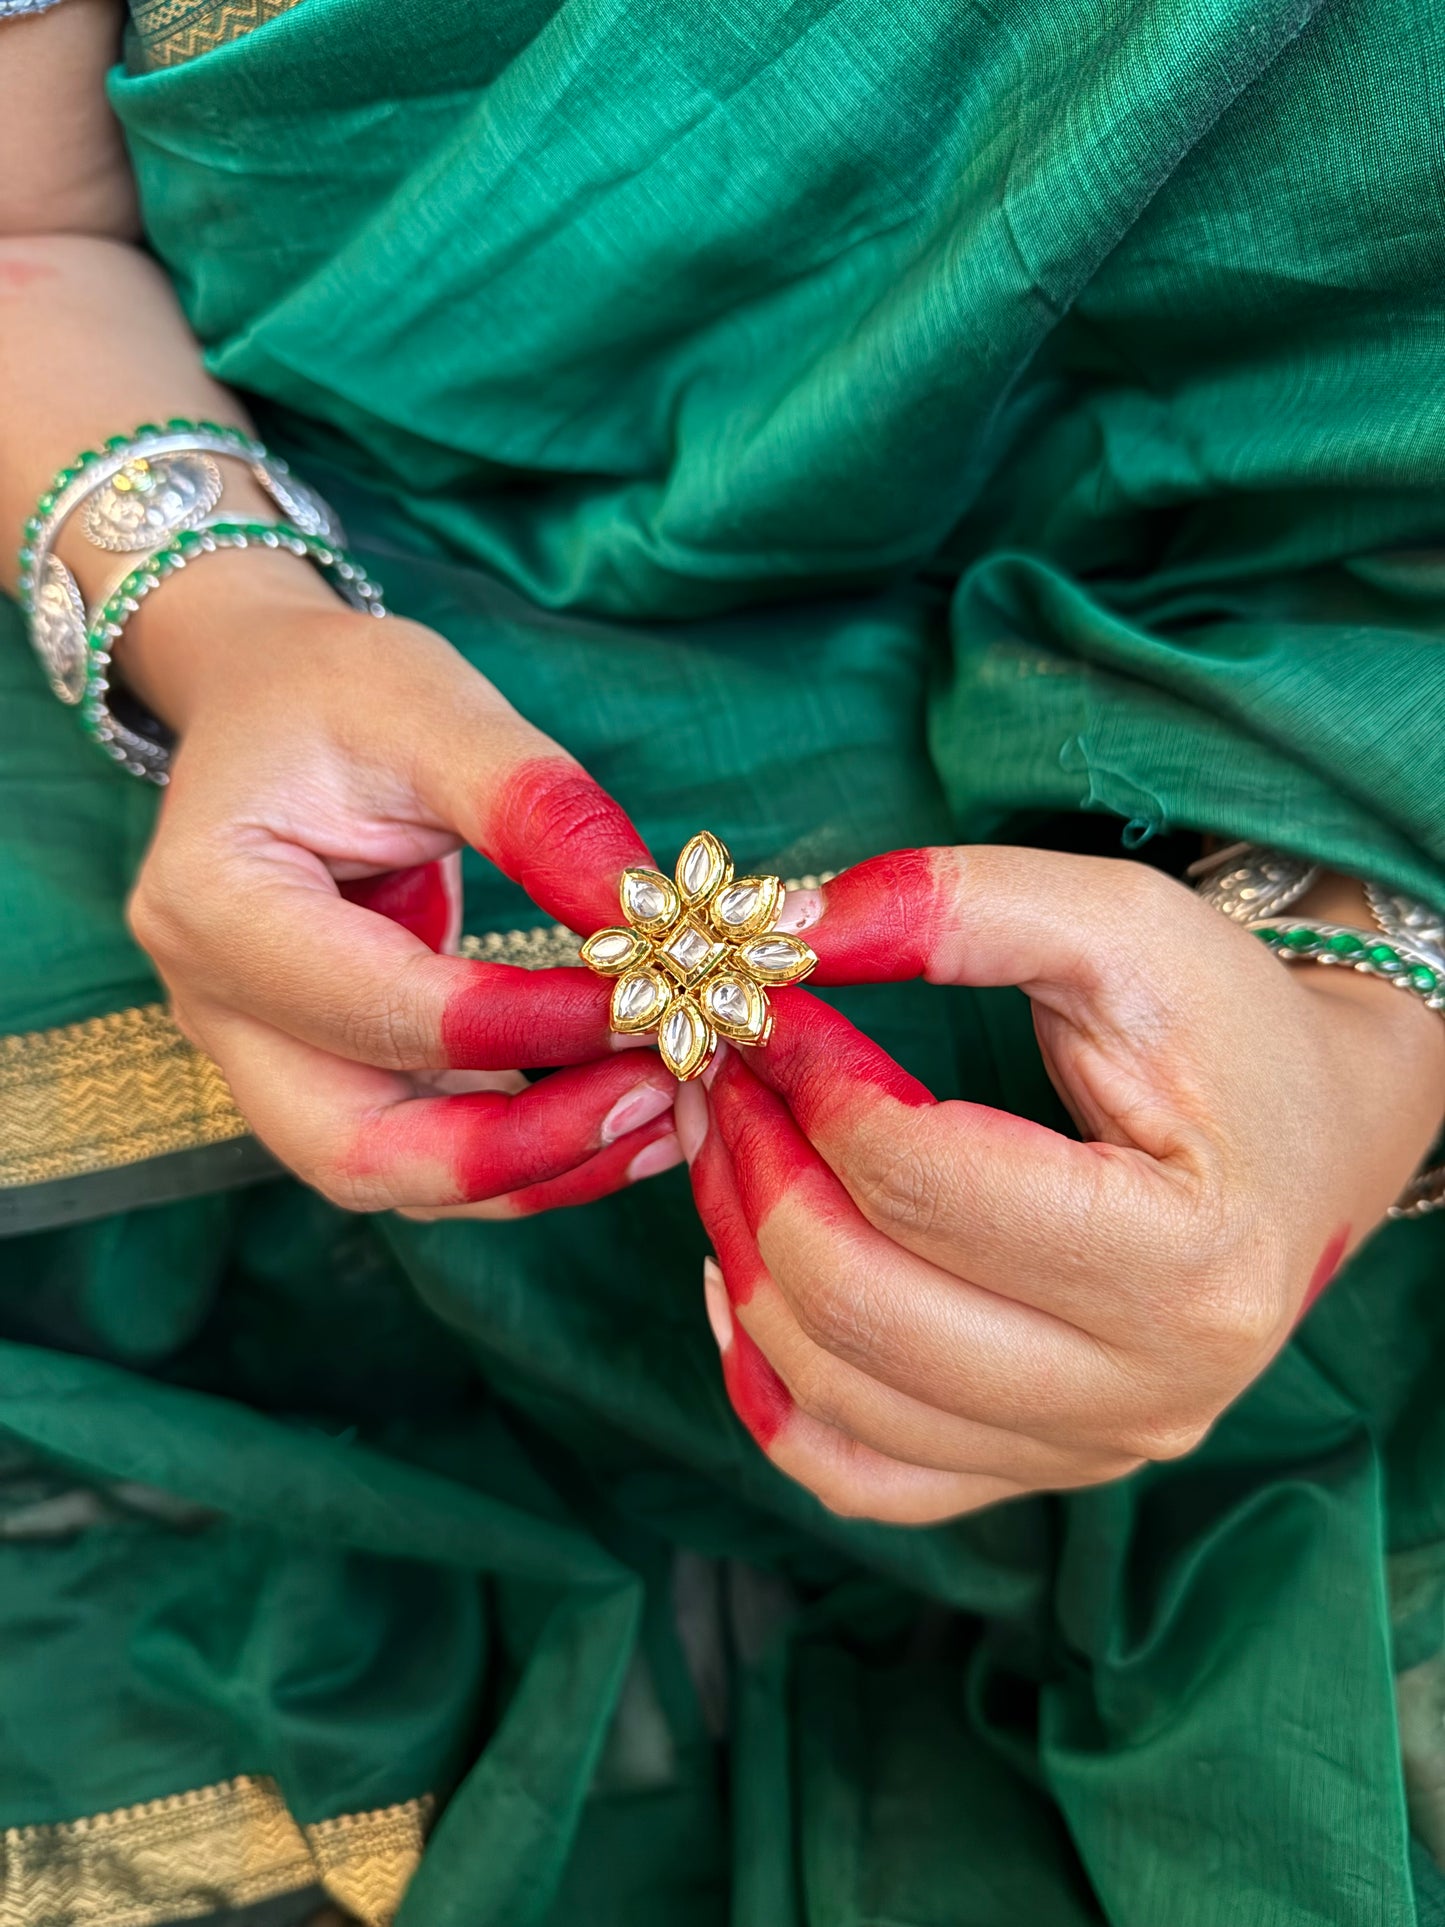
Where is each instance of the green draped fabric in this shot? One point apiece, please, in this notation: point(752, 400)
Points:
point(844, 425)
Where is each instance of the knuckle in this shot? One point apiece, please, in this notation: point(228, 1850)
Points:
point(813, 1384)
point(834, 1311)
point(898, 1187)
point(391, 1033)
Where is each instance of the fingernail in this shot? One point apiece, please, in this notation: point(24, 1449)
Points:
point(719, 1311)
point(712, 1070)
point(659, 1156)
point(801, 910)
point(690, 1110)
point(639, 1107)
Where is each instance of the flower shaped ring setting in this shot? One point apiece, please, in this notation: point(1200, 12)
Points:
point(698, 956)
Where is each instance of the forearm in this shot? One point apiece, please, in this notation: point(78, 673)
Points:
point(92, 343)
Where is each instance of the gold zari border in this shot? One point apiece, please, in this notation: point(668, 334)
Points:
point(198, 1853)
point(119, 1089)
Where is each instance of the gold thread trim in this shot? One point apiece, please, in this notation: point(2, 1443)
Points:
point(169, 32)
point(110, 1091)
point(195, 1853)
point(118, 1089)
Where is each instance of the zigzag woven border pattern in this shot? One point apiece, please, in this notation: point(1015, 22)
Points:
point(168, 32)
point(217, 1847)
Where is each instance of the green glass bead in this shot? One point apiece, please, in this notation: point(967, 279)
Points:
point(1383, 957)
point(46, 503)
point(1423, 978)
point(114, 443)
point(1343, 944)
point(210, 428)
point(27, 556)
point(146, 428)
point(180, 424)
point(188, 542)
point(1299, 938)
point(86, 458)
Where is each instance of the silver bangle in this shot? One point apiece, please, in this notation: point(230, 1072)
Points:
point(1255, 887)
point(137, 493)
point(12, 9)
point(149, 754)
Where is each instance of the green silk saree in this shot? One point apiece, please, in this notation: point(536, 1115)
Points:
point(844, 426)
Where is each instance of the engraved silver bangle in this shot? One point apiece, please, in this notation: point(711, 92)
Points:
point(1255, 887)
point(135, 494)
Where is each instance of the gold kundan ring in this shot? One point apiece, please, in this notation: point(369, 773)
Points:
point(697, 956)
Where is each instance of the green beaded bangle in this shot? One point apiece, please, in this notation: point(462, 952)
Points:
point(1331, 943)
point(149, 755)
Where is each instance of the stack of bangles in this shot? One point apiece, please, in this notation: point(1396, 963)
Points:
point(1255, 887)
point(158, 496)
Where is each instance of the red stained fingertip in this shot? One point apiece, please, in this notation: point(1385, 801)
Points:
point(565, 840)
point(881, 920)
point(419, 899)
point(825, 1067)
point(504, 1017)
point(610, 1170)
point(715, 1192)
point(766, 1152)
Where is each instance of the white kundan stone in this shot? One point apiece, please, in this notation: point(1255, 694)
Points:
point(679, 1034)
point(690, 948)
point(697, 869)
point(610, 949)
point(729, 1001)
point(737, 904)
point(771, 953)
point(647, 897)
point(636, 996)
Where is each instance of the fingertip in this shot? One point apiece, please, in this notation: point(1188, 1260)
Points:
point(801, 910)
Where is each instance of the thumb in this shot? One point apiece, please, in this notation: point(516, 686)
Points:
point(993, 914)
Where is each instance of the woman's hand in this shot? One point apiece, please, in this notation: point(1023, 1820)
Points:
point(924, 1307)
point(300, 886)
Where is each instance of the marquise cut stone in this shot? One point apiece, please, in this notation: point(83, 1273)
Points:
point(682, 1034)
point(697, 869)
point(772, 953)
point(611, 948)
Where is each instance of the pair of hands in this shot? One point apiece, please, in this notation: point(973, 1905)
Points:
point(921, 1307)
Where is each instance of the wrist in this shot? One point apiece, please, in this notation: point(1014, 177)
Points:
point(220, 623)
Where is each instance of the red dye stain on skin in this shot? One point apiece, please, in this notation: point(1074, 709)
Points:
point(881, 920)
point(825, 1067)
point(759, 1397)
point(565, 840)
point(597, 1178)
point(505, 1017)
point(768, 1154)
point(1328, 1265)
point(416, 899)
point(494, 1142)
point(715, 1193)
